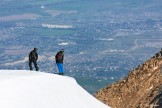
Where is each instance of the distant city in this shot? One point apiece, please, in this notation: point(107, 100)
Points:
point(103, 40)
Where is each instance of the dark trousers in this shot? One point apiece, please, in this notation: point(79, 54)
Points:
point(35, 64)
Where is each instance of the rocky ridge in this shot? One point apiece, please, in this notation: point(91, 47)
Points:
point(142, 88)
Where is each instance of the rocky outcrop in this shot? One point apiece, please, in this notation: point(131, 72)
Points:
point(142, 88)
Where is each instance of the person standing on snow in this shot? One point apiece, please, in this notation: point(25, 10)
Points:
point(59, 61)
point(33, 56)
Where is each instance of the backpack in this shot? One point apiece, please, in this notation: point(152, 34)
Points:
point(33, 55)
point(58, 56)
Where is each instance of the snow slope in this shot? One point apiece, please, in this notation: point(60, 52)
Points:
point(30, 89)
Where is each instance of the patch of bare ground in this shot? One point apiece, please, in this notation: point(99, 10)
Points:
point(142, 88)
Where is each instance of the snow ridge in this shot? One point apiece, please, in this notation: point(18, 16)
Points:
point(30, 89)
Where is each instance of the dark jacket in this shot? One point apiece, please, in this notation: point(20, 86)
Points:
point(59, 60)
point(33, 55)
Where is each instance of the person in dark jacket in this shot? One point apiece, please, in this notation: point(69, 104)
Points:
point(59, 61)
point(33, 57)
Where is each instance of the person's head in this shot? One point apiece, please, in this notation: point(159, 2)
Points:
point(35, 49)
point(62, 50)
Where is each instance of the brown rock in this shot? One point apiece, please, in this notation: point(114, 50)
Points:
point(141, 89)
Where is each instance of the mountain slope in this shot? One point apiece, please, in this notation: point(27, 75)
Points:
point(140, 89)
point(30, 89)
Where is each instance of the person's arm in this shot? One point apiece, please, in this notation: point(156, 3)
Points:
point(30, 56)
point(56, 57)
point(62, 56)
point(36, 54)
